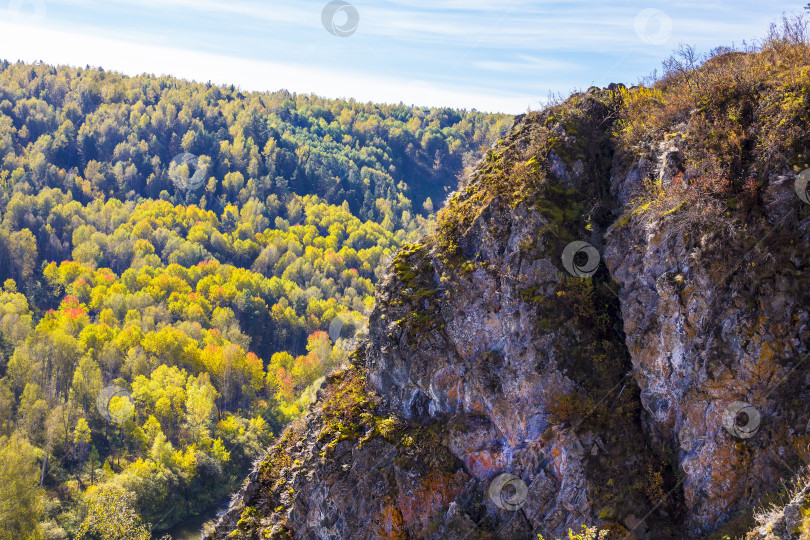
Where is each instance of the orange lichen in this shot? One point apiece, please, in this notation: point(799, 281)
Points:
point(481, 463)
point(434, 493)
point(391, 525)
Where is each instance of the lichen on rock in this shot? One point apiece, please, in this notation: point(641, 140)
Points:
point(605, 398)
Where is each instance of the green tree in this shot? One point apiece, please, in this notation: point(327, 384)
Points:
point(23, 254)
point(82, 438)
point(93, 462)
point(20, 495)
point(87, 382)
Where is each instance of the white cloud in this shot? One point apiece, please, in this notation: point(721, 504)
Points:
point(484, 54)
point(298, 13)
point(523, 64)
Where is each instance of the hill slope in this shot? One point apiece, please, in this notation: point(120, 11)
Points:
point(195, 259)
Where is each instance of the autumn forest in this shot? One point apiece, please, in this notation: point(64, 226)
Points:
point(181, 265)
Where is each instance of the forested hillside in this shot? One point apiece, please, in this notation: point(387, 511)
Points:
point(183, 263)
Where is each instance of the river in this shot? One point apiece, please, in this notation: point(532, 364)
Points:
point(190, 529)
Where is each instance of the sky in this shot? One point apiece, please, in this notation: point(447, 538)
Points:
point(489, 55)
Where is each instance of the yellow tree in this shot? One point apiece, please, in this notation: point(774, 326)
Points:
point(111, 516)
point(200, 397)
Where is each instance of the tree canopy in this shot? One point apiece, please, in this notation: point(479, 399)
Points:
point(182, 264)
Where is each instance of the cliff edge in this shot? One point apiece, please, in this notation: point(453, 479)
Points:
point(609, 328)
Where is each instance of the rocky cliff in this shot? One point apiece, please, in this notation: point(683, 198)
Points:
point(609, 328)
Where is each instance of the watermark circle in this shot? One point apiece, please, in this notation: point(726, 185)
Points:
point(331, 14)
point(800, 185)
point(182, 181)
point(115, 404)
point(18, 12)
point(572, 259)
point(653, 26)
point(508, 492)
point(345, 327)
point(741, 420)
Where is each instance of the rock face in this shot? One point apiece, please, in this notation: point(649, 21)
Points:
point(717, 315)
point(332, 486)
point(658, 395)
point(524, 363)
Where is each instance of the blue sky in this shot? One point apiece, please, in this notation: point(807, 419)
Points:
point(502, 56)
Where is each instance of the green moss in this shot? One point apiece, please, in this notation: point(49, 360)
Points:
point(675, 208)
point(416, 286)
point(624, 220)
point(248, 519)
point(608, 513)
point(346, 413)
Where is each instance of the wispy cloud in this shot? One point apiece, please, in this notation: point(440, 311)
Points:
point(504, 53)
point(523, 63)
point(58, 47)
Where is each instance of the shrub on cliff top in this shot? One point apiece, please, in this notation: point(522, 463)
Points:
point(747, 111)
